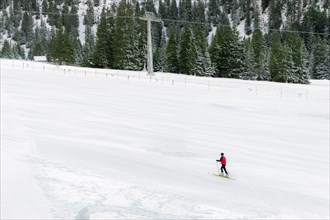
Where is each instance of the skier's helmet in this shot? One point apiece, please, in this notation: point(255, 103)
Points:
point(222, 154)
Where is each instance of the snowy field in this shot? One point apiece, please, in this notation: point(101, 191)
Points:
point(107, 144)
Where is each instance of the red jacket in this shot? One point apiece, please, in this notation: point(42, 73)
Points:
point(223, 160)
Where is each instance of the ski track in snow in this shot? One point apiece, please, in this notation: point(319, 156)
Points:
point(83, 195)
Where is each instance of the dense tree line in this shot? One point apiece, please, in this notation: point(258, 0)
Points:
point(194, 37)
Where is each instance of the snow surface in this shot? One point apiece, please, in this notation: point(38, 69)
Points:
point(107, 144)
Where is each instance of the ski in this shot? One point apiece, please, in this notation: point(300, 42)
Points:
point(227, 177)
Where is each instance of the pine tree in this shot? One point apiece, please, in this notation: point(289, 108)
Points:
point(89, 17)
point(45, 7)
point(78, 48)
point(160, 53)
point(275, 19)
point(299, 58)
point(214, 12)
point(235, 13)
point(150, 6)
point(203, 63)
point(226, 53)
point(278, 65)
point(242, 9)
point(291, 11)
point(313, 21)
point(44, 37)
point(198, 15)
point(174, 14)
point(3, 17)
point(66, 18)
point(37, 50)
point(215, 49)
point(167, 15)
point(6, 50)
point(61, 49)
point(249, 70)
point(259, 56)
point(162, 9)
point(171, 62)
point(11, 23)
point(209, 69)
point(37, 47)
point(290, 70)
point(53, 13)
point(185, 10)
point(27, 28)
point(68, 50)
point(256, 17)
point(327, 74)
point(321, 53)
point(103, 50)
point(187, 52)
point(125, 39)
point(237, 55)
point(204, 66)
point(89, 47)
point(248, 28)
point(74, 19)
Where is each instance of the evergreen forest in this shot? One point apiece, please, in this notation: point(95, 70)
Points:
point(272, 40)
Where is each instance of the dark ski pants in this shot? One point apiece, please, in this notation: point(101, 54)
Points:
point(223, 168)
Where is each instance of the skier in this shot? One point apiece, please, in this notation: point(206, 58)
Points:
point(223, 164)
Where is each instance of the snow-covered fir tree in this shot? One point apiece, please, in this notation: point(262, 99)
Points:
point(187, 52)
point(103, 50)
point(320, 61)
point(125, 38)
point(6, 50)
point(259, 55)
point(62, 51)
point(171, 59)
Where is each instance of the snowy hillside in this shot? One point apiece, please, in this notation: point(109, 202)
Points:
point(280, 41)
point(107, 144)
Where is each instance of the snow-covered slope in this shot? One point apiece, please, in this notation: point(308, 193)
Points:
point(82, 143)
